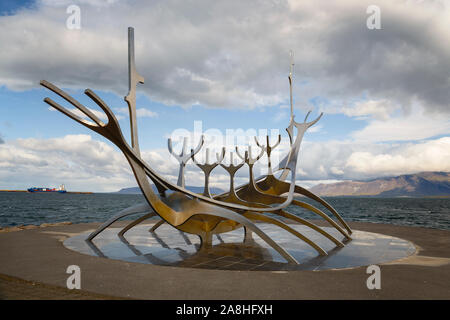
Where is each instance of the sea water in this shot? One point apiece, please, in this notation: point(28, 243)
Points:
point(37, 208)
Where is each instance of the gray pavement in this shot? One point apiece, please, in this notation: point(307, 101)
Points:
point(38, 256)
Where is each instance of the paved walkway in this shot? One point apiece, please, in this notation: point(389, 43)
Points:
point(12, 288)
point(38, 256)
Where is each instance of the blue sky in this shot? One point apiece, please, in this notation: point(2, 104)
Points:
point(384, 93)
point(25, 115)
point(9, 7)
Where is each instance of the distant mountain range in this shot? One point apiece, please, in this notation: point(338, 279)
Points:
point(137, 190)
point(422, 184)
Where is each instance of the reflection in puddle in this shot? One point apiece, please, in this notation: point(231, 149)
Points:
point(168, 246)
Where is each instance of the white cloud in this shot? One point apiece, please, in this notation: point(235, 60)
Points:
point(311, 183)
point(98, 114)
point(378, 109)
point(416, 125)
point(315, 128)
point(358, 160)
point(140, 112)
point(336, 171)
point(235, 54)
point(431, 155)
point(281, 115)
point(80, 162)
point(76, 160)
point(101, 115)
point(83, 163)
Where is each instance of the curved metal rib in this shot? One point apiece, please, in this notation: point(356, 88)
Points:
point(259, 196)
point(126, 212)
point(260, 217)
point(309, 194)
point(310, 225)
point(323, 215)
point(84, 110)
point(252, 192)
point(157, 225)
point(271, 185)
point(250, 225)
point(136, 222)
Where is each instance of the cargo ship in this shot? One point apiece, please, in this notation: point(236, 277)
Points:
point(61, 189)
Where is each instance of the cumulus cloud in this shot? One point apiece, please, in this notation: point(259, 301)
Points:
point(351, 160)
point(410, 158)
point(76, 160)
point(311, 183)
point(140, 112)
point(378, 109)
point(120, 113)
point(80, 162)
point(417, 125)
point(77, 112)
point(83, 163)
point(235, 54)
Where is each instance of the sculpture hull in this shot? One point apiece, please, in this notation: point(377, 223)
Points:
point(201, 223)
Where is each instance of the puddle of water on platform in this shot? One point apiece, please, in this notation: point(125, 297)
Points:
point(168, 246)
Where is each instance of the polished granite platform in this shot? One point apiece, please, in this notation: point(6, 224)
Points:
point(170, 247)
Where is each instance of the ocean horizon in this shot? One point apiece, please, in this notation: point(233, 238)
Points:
point(36, 208)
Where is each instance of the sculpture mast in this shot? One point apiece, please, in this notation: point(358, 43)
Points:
point(290, 81)
point(133, 79)
point(290, 128)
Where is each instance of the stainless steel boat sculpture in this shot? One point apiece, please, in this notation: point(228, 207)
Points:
point(204, 214)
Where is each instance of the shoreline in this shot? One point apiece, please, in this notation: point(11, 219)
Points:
point(67, 192)
point(296, 196)
point(33, 226)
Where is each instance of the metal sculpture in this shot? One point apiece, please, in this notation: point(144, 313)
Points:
point(205, 214)
point(184, 157)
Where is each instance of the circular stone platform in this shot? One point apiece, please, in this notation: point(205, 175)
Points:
point(170, 247)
